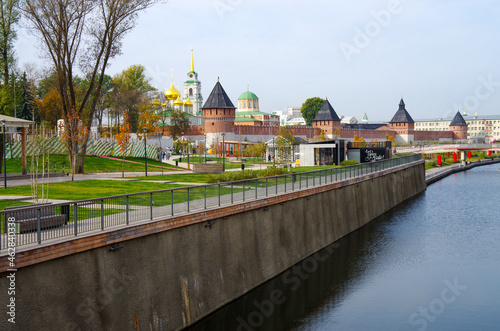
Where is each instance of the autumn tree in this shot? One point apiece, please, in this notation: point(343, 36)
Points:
point(179, 124)
point(49, 108)
point(310, 108)
point(147, 124)
point(284, 142)
point(86, 32)
point(123, 139)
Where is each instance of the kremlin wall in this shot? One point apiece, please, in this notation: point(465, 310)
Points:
point(218, 119)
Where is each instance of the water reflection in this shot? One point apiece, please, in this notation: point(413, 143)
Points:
point(392, 273)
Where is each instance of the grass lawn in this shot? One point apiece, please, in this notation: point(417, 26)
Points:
point(182, 177)
point(94, 164)
point(89, 189)
point(11, 203)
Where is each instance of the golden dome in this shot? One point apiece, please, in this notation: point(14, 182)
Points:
point(172, 93)
point(164, 104)
point(156, 102)
point(178, 101)
point(188, 103)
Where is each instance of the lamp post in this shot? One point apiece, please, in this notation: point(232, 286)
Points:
point(145, 153)
point(274, 154)
point(4, 157)
point(223, 153)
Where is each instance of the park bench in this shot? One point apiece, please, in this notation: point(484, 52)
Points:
point(26, 220)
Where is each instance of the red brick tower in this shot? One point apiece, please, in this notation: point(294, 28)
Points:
point(218, 112)
point(403, 124)
point(458, 127)
point(326, 119)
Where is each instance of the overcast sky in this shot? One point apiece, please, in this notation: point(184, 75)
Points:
point(362, 55)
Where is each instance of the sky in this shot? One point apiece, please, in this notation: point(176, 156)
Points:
point(441, 56)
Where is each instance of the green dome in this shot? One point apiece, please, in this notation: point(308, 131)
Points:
point(248, 95)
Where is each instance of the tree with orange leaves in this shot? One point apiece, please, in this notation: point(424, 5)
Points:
point(123, 138)
point(75, 133)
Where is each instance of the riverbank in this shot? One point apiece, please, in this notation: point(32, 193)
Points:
point(435, 174)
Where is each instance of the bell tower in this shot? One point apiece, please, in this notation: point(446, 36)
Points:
point(192, 89)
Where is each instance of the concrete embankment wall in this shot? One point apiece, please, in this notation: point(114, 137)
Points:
point(167, 276)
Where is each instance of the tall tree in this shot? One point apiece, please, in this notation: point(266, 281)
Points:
point(179, 124)
point(310, 108)
point(65, 28)
point(28, 103)
point(123, 139)
point(129, 91)
point(9, 16)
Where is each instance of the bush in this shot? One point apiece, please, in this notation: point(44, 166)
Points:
point(348, 163)
point(230, 176)
point(431, 163)
point(270, 171)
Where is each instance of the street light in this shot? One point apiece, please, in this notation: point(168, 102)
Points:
point(274, 154)
point(145, 153)
point(223, 153)
point(4, 157)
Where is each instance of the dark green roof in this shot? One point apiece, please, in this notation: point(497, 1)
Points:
point(402, 116)
point(326, 113)
point(248, 95)
point(218, 99)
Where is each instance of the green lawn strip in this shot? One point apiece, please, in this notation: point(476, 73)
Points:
point(93, 164)
point(182, 177)
point(88, 213)
point(90, 189)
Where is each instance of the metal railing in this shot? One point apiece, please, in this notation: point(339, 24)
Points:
point(38, 223)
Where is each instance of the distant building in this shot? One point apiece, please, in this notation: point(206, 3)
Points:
point(480, 129)
point(349, 120)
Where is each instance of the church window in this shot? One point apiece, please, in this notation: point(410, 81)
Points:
point(190, 92)
point(210, 111)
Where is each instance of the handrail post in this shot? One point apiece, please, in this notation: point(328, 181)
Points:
point(243, 191)
point(256, 183)
point(285, 183)
point(39, 226)
point(102, 214)
point(205, 197)
point(231, 192)
point(188, 199)
point(266, 186)
point(219, 194)
point(128, 220)
point(172, 202)
point(76, 219)
point(276, 185)
point(151, 206)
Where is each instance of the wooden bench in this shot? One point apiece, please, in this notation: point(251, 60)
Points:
point(26, 220)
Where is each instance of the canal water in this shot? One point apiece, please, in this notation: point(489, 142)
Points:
point(431, 263)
